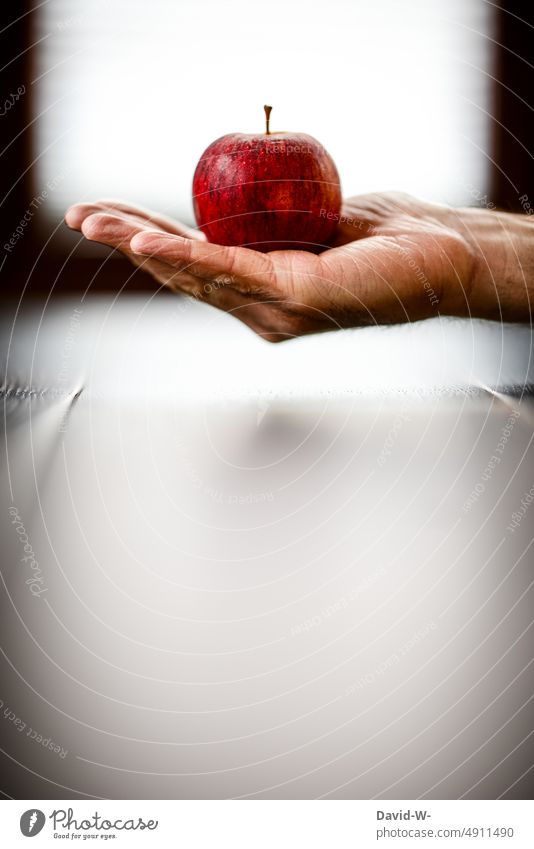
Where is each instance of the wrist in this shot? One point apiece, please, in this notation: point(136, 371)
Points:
point(502, 277)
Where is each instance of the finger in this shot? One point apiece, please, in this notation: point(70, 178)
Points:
point(111, 230)
point(250, 272)
point(170, 225)
point(116, 232)
point(76, 215)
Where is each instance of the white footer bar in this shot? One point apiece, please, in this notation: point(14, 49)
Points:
point(269, 824)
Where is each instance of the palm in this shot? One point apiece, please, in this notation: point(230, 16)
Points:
point(393, 259)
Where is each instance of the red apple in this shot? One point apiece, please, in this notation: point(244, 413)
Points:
point(269, 191)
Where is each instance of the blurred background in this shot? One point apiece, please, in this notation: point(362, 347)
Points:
point(119, 100)
point(291, 571)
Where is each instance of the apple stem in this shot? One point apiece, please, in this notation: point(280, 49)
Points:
point(268, 110)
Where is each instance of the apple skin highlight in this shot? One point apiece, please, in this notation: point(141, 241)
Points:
point(270, 191)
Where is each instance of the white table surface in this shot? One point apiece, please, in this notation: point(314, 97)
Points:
point(265, 573)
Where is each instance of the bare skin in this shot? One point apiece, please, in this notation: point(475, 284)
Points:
point(395, 259)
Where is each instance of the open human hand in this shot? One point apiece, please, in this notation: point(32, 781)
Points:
point(394, 259)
